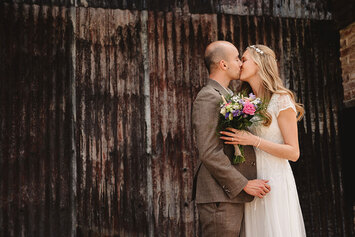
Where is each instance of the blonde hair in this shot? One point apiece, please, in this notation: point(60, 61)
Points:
point(265, 58)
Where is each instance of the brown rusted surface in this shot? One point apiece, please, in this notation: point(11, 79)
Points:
point(35, 120)
point(95, 116)
point(111, 160)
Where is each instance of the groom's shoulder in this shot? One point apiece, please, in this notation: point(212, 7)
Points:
point(207, 92)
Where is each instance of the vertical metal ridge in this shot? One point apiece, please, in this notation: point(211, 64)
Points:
point(73, 155)
point(148, 121)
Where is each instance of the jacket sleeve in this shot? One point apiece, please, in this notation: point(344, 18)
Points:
point(210, 147)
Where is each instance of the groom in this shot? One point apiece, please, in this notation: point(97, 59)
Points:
point(220, 189)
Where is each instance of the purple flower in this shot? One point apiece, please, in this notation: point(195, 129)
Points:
point(236, 113)
point(252, 96)
point(227, 115)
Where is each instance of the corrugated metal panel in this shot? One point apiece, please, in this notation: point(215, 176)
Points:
point(316, 9)
point(136, 76)
point(112, 164)
point(35, 121)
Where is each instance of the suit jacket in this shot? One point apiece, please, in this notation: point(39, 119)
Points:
point(216, 179)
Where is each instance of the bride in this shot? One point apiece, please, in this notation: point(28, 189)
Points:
point(275, 140)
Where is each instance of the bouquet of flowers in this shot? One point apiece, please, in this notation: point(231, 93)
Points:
point(240, 112)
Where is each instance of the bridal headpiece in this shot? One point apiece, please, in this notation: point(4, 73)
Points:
point(256, 49)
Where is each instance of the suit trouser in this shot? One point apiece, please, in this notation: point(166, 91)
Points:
point(221, 219)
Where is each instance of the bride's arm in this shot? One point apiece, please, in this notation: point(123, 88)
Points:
point(287, 122)
point(288, 126)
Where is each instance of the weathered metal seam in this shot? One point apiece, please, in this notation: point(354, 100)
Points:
point(147, 118)
point(73, 165)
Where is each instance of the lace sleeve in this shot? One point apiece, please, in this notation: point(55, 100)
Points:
point(284, 102)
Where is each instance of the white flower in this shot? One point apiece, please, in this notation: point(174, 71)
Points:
point(223, 111)
point(256, 101)
point(236, 98)
point(237, 106)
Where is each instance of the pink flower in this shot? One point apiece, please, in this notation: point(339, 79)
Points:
point(249, 108)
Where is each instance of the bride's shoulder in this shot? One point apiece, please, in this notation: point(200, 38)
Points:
point(274, 99)
point(278, 100)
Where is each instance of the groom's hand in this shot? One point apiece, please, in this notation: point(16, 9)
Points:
point(257, 187)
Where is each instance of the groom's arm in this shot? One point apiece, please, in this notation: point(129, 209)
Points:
point(205, 120)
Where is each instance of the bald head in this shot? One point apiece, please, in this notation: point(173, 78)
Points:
point(217, 51)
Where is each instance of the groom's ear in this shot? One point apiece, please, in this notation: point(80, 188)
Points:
point(223, 64)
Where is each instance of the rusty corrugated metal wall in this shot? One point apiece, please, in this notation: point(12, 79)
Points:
point(110, 113)
point(96, 111)
point(35, 118)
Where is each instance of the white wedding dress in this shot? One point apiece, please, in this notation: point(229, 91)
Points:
point(278, 214)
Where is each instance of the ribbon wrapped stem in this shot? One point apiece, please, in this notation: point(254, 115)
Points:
point(238, 154)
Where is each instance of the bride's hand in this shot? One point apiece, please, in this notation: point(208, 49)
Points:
point(235, 137)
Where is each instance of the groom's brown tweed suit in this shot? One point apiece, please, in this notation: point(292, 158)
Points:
point(218, 185)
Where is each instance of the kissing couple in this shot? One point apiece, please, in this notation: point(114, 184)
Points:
point(256, 198)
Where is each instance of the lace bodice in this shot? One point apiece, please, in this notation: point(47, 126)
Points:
point(277, 104)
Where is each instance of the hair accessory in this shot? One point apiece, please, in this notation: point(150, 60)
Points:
point(256, 49)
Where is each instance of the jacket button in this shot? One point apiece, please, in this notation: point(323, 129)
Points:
point(225, 189)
